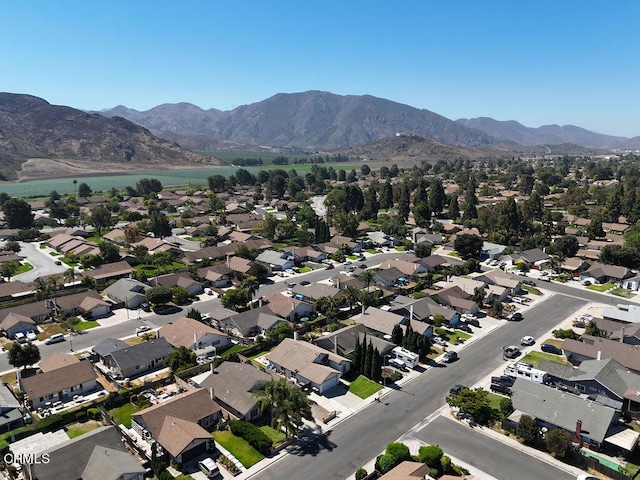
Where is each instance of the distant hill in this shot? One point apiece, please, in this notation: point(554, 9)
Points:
point(546, 135)
point(313, 120)
point(30, 127)
point(413, 148)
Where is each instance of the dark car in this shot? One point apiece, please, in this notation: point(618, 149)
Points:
point(530, 282)
point(450, 356)
point(464, 327)
point(504, 380)
point(166, 309)
point(456, 389)
point(500, 388)
point(548, 348)
point(145, 306)
point(304, 283)
point(329, 267)
point(516, 317)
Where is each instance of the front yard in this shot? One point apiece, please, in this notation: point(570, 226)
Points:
point(363, 387)
point(602, 288)
point(535, 357)
point(238, 447)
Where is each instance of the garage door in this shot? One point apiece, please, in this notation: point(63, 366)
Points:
point(194, 452)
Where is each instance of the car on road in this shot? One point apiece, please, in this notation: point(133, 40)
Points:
point(516, 317)
point(329, 267)
point(304, 283)
point(511, 351)
point(56, 338)
point(528, 340)
point(529, 282)
point(166, 309)
point(142, 329)
point(586, 477)
point(548, 348)
point(456, 388)
point(449, 357)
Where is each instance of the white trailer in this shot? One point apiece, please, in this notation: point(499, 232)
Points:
point(409, 358)
point(526, 371)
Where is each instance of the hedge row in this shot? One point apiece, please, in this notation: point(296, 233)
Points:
point(252, 434)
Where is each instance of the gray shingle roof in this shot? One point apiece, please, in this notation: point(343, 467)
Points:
point(131, 356)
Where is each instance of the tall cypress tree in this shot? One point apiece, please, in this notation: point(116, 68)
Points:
point(355, 356)
point(368, 364)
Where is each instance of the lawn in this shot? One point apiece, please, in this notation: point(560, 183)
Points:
point(353, 257)
point(151, 271)
point(400, 249)
point(601, 288)
point(535, 357)
point(10, 378)
point(86, 325)
point(276, 436)
point(76, 429)
point(122, 415)
point(494, 401)
point(363, 387)
point(305, 270)
point(622, 292)
point(24, 267)
point(531, 290)
point(372, 251)
point(238, 447)
point(453, 254)
point(262, 352)
point(54, 254)
point(183, 477)
point(453, 337)
point(235, 349)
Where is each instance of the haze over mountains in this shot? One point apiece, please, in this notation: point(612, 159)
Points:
point(322, 120)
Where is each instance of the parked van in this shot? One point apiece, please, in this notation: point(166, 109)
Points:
point(58, 337)
point(209, 467)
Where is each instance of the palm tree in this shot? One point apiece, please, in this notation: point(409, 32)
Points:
point(366, 277)
point(351, 295)
point(251, 285)
point(70, 275)
point(288, 405)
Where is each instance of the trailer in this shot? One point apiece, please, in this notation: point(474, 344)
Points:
point(409, 358)
point(526, 371)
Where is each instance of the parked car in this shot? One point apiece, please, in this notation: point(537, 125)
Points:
point(464, 327)
point(471, 319)
point(449, 357)
point(529, 282)
point(31, 336)
point(56, 338)
point(504, 379)
point(586, 477)
point(329, 267)
point(456, 388)
point(142, 328)
point(500, 388)
point(511, 351)
point(528, 340)
point(547, 347)
point(516, 317)
point(20, 337)
point(304, 283)
point(439, 340)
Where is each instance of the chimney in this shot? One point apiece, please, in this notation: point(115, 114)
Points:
point(295, 335)
point(411, 313)
point(212, 390)
point(335, 344)
point(338, 283)
point(195, 340)
point(260, 302)
point(211, 368)
point(599, 357)
point(622, 335)
point(577, 437)
point(228, 261)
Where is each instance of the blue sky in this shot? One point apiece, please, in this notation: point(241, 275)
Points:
point(537, 62)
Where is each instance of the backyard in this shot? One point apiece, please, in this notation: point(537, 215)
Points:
point(122, 415)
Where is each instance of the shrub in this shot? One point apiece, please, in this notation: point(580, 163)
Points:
point(94, 413)
point(361, 474)
point(81, 416)
point(384, 463)
point(252, 434)
point(431, 455)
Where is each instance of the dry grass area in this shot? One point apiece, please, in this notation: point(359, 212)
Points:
point(10, 378)
point(5, 343)
point(106, 384)
point(49, 329)
point(138, 340)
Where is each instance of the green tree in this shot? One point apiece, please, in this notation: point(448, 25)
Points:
point(474, 402)
point(371, 206)
point(160, 225)
point(23, 355)
point(422, 249)
point(454, 207)
point(180, 295)
point(386, 195)
point(557, 442)
point(12, 246)
point(528, 430)
point(594, 229)
point(251, 285)
point(100, 218)
point(84, 190)
point(109, 252)
point(367, 277)
point(181, 359)
point(9, 269)
point(195, 314)
point(593, 330)
point(145, 186)
point(17, 214)
point(234, 298)
point(422, 214)
point(288, 405)
point(397, 334)
point(568, 245)
point(394, 455)
point(351, 295)
point(468, 246)
point(158, 295)
point(437, 196)
point(361, 473)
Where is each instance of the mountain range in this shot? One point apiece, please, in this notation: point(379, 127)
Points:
point(323, 120)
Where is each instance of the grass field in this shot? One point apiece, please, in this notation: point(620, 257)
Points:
point(49, 329)
point(238, 447)
point(234, 349)
point(77, 429)
point(122, 415)
point(601, 288)
point(24, 267)
point(531, 290)
point(363, 387)
point(86, 325)
point(622, 292)
point(535, 357)
point(275, 435)
point(151, 271)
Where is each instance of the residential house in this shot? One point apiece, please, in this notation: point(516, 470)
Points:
point(93, 308)
point(632, 283)
point(590, 348)
point(343, 341)
point(291, 309)
point(502, 279)
point(181, 425)
point(139, 359)
point(585, 420)
point(95, 455)
point(128, 293)
point(313, 292)
point(11, 290)
point(276, 261)
point(622, 313)
point(355, 245)
point(457, 299)
point(57, 360)
point(420, 235)
point(629, 334)
point(308, 364)
point(180, 279)
point(310, 254)
point(15, 323)
point(423, 310)
point(69, 305)
point(467, 285)
point(36, 311)
point(533, 256)
point(406, 267)
point(574, 265)
point(11, 410)
point(492, 250)
point(251, 323)
point(233, 386)
point(603, 273)
point(378, 320)
point(216, 276)
point(61, 384)
point(381, 239)
point(107, 346)
point(155, 245)
point(408, 470)
point(388, 277)
point(109, 271)
point(194, 335)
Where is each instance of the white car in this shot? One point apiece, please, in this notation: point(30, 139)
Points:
point(440, 341)
point(511, 351)
point(142, 329)
point(31, 336)
point(528, 340)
